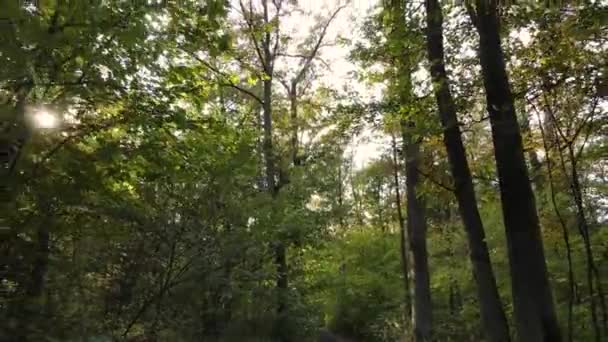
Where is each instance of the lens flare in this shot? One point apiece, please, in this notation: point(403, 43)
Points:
point(45, 119)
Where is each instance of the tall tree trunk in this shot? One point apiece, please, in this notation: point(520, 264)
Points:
point(564, 226)
point(378, 194)
point(583, 228)
point(405, 266)
point(280, 255)
point(577, 193)
point(416, 219)
point(24, 313)
point(293, 113)
point(532, 298)
point(493, 317)
point(356, 199)
point(455, 301)
point(417, 231)
point(340, 196)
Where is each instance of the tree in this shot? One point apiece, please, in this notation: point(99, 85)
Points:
point(267, 41)
point(145, 212)
point(403, 238)
point(532, 298)
point(492, 314)
point(53, 61)
point(416, 217)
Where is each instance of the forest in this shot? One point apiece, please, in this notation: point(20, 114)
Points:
point(303, 170)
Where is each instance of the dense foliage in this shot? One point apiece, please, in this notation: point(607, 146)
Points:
point(182, 171)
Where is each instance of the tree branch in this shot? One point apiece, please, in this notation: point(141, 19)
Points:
point(225, 84)
point(436, 182)
point(316, 48)
point(277, 4)
point(250, 28)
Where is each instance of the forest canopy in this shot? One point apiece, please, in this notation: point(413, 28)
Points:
point(283, 170)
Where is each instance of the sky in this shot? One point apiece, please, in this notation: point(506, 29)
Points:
point(368, 146)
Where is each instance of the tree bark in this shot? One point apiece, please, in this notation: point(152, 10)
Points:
point(405, 266)
point(293, 113)
point(417, 231)
point(416, 226)
point(340, 196)
point(532, 298)
point(493, 317)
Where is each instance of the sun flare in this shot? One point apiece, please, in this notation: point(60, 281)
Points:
point(45, 119)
